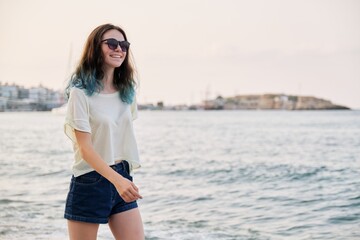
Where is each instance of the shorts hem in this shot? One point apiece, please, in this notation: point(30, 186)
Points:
point(127, 207)
point(85, 219)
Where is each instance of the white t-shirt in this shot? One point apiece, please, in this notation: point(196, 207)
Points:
point(109, 121)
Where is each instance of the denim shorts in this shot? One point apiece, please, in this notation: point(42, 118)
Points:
point(92, 198)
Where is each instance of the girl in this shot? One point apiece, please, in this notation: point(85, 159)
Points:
point(101, 108)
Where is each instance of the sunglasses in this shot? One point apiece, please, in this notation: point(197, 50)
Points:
point(113, 44)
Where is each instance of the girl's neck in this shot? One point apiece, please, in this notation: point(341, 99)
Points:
point(108, 82)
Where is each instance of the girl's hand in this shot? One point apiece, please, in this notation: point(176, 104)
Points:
point(127, 189)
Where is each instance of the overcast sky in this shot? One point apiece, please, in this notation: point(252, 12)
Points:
point(187, 50)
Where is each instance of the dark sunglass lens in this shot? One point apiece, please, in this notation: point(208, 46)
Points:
point(124, 46)
point(112, 43)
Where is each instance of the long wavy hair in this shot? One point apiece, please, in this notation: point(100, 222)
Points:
point(89, 72)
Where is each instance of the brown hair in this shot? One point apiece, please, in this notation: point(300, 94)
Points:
point(89, 72)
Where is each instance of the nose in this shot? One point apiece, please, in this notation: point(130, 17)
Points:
point(118, 48)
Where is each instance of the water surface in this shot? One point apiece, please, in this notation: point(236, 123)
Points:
point(205, 175)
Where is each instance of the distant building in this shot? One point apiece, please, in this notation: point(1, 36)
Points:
point(216, 104)
point(3, 102)
point(18, 98)
point(160, 105)
point(23, 93)
point(37, 94)
point(9, 91)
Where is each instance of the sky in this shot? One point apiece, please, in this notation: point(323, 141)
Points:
point(187, 51)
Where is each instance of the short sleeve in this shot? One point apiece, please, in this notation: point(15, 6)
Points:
point(77, 115)
point(134, 110)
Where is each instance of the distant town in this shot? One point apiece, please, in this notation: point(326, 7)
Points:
point(18, 98)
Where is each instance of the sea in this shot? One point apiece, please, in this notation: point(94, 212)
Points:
point(226, 175)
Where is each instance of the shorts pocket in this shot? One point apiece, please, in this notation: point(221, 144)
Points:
point(88, 178)
point(125, 172)
point(127, 167)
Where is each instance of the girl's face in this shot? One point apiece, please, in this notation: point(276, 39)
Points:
point(112, 58)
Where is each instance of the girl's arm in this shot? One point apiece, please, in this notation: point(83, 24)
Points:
point(127, 189)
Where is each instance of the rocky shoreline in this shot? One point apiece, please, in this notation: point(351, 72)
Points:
point(271, 101)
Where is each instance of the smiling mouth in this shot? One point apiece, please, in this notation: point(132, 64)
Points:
point(115, 56)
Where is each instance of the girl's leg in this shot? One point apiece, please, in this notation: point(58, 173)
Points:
point(127, 225)
point(82, 230)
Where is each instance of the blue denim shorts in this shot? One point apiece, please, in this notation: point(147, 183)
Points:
point(92, 198)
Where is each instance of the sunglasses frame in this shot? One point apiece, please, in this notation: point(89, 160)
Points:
point(111, 45)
